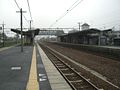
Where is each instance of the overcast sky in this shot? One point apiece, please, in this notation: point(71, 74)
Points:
point(97, 13)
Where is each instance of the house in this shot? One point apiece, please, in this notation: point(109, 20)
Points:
point(106, 37)
point(85, 26)
point(116, 38)
point(91, 36)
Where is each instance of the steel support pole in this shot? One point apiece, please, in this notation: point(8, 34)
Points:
point(21, 30)
point(3, 36)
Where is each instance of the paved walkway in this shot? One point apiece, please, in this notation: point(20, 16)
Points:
point(29, 70)
point(14, 68)
point(5, 48)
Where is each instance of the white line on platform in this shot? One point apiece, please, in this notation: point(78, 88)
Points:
point(16, 68)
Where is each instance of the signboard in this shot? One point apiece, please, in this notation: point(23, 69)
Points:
point(0, 28)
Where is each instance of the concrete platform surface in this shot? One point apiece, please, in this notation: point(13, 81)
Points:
point(14, 68)
point(28, 70)
point(57, 82)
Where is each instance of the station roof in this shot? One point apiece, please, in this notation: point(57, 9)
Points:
point(83, 32)
point(27, 33)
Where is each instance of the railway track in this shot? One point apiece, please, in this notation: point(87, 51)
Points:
point(75, 79)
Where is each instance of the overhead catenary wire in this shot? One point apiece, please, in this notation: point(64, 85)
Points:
point(17, 4)
point(75, 4)
point(29, 9)
point(19, 9)
point(67, 11)
point(58, 19)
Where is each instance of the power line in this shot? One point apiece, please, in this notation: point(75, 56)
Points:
point(68, 10)
point(19, 9)
point(58, 19)
point(73, 4)
point(29, 9)
point(25, 18)
point(17, 4)
point(76, 5)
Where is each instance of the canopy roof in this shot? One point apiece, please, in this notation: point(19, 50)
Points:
point(27, 33)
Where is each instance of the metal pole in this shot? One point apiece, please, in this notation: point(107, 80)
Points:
point(21, 12)
point(3, 36)
point(79, 26)
point(21, 30)
point(30, 24)
point(99, 39)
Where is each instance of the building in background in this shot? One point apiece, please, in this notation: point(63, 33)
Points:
point(92, 36)
point(85, 26)
point(116, 38)
point(106, 37)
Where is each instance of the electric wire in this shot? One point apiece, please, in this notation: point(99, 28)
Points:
point(65, 12)
point(17, 4)
point(29, 9)
point(76, 5)
point(58, 19)
point(19, 9)
point(73, 4)
point(68, 10)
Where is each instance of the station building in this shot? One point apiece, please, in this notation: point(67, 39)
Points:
point(116, 40)
point(91, 36)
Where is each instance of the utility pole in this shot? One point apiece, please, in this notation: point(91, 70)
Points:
point(21, 24)
point(3, 34)
point(30, 23)
point(79, 25)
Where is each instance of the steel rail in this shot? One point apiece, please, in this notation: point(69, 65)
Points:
point(78, 74)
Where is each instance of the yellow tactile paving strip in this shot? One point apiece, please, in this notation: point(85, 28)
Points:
point(32, 83)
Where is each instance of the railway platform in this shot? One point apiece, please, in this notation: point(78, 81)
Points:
point(14, 67)
point(56, 81)
point(29, 70)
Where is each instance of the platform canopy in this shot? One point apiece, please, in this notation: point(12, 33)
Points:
point(27, 33)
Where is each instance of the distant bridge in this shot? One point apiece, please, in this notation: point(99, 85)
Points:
point(53, 31)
